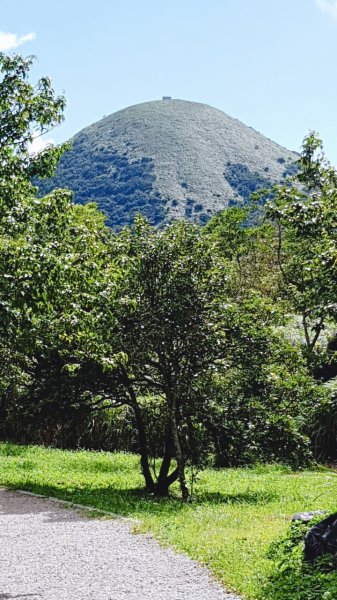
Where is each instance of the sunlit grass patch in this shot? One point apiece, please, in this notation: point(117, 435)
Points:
point(229, 526)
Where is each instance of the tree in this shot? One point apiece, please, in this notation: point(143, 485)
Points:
point(163, 335)
point(305, 218)
point(60, 281)
point(169, 330)
point(26, 110)
point(249, 251)
point(51, 250)
point(127, 319)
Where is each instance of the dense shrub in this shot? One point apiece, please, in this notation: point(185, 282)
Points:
point(120, 187)
point(244, 181)
point(257, 426)
point(322, 428)
point(292, 577)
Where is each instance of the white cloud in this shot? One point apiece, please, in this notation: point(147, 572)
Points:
point(9, 41)
point(38, 144)
point(329, 7)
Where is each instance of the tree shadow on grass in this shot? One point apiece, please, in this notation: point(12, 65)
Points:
point(136, 501)
point(248, 497)
point(119, 498)
point(123, 502)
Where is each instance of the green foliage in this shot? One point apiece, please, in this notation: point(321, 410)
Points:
point(259, 408)
point(122, 188)
point(51, 280)
point(250, 252)
point(305, 218)
point(244, 181)
point(294, 578)
point(178, 329)
point(53, 254)
point(26, 111)
point(171, 328)
point(322, 427)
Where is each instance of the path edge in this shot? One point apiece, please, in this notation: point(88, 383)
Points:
point(74, 505)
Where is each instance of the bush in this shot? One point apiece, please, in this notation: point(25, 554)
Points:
point(247, 430)
point(243, 181)
point(292, 577)
point(261, 414)
point(322, 429)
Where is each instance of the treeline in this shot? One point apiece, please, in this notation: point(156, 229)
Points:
point(192, 346)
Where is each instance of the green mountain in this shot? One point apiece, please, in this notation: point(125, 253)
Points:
point(168, 159)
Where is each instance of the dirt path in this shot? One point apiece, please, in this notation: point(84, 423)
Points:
point(52, 553)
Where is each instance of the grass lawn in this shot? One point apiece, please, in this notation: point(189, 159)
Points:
point(236, 514)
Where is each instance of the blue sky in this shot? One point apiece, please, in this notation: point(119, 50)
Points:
point(270, 63)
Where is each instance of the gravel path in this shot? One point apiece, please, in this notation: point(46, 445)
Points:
point(53, 553)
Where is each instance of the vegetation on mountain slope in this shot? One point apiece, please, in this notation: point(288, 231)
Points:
point(168, 160)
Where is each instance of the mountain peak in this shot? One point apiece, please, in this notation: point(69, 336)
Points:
point(169, 159)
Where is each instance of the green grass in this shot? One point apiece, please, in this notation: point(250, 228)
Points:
point(229, 527)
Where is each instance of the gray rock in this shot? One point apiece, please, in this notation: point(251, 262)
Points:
point(305, 517)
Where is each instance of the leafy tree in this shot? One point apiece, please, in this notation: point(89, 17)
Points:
point(126, 317)
point(52, 251)
point(257, 410)
point(52, 275)
point(170, 328)
point(26, 110)
point(305, 218)
point(249, 251)
point(185, 334)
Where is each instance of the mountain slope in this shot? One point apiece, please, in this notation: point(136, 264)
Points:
point(168, 159)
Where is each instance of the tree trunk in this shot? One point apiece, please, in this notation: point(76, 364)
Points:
point(162, 487)
point(144, 457)
point(178, 451)
point(142, 438)
point(164, 479)
point(168, 451)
